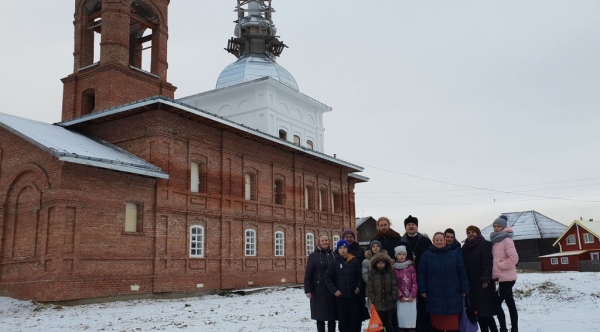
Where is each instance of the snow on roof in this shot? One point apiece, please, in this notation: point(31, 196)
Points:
point(591, 226)
point(530, 225)
point(360, 221)
point(69, 146)
point(566, 253)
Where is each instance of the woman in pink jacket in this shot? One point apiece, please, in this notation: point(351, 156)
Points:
point(505, 271)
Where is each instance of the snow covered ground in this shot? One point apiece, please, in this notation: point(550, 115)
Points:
point(547, 302)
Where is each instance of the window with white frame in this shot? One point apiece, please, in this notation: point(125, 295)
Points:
point(595, 256)
point(133, 220)
point(571, 239)
point(564, 260)
point(310, 243)
point(197, 241)
point(336, 239)
point(250, 242)
point(554, 261)
point(279, 244)
point(588, 238)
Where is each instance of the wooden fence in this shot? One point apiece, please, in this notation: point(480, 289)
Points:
point(589, 266)
point(534, 266)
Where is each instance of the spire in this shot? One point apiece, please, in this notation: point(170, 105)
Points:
point(254, 31)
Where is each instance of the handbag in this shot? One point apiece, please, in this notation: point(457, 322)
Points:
point(375, 324)
point(466, 323)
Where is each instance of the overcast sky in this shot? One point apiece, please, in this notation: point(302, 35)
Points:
point(458, 110)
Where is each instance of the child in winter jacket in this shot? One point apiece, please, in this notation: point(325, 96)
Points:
point(406, 278)
point(382, 290)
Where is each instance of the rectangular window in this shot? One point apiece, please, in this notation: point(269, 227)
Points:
point(564, 260)
point(250, 242)
point(132, 218)
point(571, 239)
point(279, 244)
point(336, 239)
point(595, 256)
point(309, 197)
point(323, 199)
point(589, 238)
point(195, 178)
point(554, 261)
point(336, 203)
point(197, 241)
point(278, 192)
point(249, 186)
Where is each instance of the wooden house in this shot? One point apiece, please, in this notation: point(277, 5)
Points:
point(579, 248)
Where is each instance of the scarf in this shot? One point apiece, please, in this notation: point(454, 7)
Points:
point(472, 243)
point(496, 237)
point(403, 265)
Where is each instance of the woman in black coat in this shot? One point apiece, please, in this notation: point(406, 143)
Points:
point(322, 302)
point(477, 256)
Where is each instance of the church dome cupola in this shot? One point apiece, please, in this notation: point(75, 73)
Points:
point(256, 46)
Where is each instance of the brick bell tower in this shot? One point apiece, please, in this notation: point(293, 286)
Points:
point(120, 55)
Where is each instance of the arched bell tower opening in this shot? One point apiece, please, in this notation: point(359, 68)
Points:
point(120, 55)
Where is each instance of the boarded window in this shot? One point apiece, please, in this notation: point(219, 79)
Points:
point(132, 218)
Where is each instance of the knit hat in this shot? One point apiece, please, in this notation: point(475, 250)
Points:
point(374, 242)
point(474, 229)
point(400, 249)
point(348, 231)
point(502, 221)
point(411, 219)
point(342, 243)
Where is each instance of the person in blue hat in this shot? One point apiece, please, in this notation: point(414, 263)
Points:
point(344, 281)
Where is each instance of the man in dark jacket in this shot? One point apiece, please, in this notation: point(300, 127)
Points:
point(417, 245)
point(388, 237)
point(354, 248)
point(344, 280)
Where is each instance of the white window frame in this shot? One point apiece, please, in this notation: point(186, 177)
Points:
point(595, 254)
point(335, 240)
point(250, 249)
point(572, 238)
point(131, 217)
point(197, 241)
point(564, 260)
point(554, 261)
point(588, 238)
point(310, 243)
point(279, 244)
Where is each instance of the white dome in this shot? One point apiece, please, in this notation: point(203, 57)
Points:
point(254, 66)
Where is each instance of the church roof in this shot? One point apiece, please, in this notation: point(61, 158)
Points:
point(195, 114)
point(530, 225)
point(252, 66)
point(69, 146)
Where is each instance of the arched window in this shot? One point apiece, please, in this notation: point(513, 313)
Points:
point(336, 239)
point(297, 140)
point(142, 37)
point(309, 197)
point(282, 134)
point(309, 144)
point(336, 202)
point(323, 199)
point(197, 177)
point(278, 192)
point(310, 243)
point(250, 242)
point(279, 244)
point(133, 220)
point(88, 101)
point(197, 241)
point(249, 186)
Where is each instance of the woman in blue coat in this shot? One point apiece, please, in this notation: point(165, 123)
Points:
point(322, 302)
point(443, 281)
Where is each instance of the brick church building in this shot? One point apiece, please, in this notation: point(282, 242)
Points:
point(136, 193)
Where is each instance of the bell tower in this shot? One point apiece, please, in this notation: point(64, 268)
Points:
point(120, 55)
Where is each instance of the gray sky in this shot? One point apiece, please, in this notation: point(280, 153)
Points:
point(500, 95)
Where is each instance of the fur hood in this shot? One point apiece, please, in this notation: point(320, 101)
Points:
point(378, 257)
point(369, 253)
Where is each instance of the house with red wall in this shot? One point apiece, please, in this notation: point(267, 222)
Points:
point(579, 243)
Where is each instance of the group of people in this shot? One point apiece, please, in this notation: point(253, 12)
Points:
point(415, 283)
